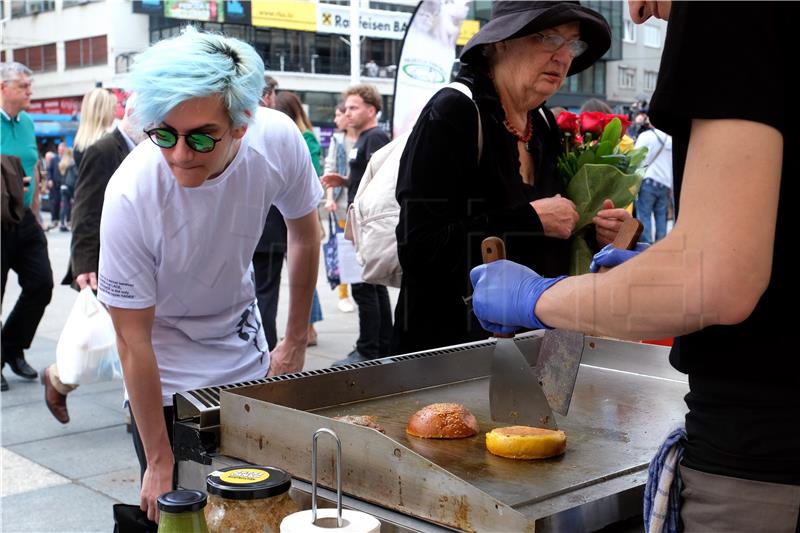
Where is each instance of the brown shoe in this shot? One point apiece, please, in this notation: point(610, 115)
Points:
point(56, 402)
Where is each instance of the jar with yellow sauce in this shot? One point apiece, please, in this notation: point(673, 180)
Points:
point(248, 499)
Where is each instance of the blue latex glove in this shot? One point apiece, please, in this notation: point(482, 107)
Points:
point(610, 257)
point(505, 294)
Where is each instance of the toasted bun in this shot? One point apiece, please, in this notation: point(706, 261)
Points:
point(442, 421)
point(525, 442)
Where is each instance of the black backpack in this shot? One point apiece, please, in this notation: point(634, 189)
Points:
point(71, 178)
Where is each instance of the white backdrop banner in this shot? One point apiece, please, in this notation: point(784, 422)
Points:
point(426, 59)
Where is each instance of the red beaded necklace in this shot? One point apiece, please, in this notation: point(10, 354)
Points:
point(515, 132)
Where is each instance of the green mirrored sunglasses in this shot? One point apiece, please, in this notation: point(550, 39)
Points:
point(167, 138)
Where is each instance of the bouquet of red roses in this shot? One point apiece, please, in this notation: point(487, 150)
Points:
point(595, 166)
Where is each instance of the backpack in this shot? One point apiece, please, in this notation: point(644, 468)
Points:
point(71, 177)
point(373, 216)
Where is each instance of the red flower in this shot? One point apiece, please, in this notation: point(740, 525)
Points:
point(567, 122)
point(593, 122)
point(622, 118)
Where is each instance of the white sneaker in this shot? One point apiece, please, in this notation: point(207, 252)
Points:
point(346, 306)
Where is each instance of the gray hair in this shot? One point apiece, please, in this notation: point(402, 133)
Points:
point(12, 71)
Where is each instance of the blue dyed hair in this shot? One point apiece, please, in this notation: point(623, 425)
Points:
point(195, 65)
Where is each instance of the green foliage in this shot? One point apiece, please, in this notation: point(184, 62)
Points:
point(593, 171)
point(588, 189)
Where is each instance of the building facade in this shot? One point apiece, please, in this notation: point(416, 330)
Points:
point(75, 45)
point(632, 78)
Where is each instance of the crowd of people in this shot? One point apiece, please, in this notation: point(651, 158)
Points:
point(234, 175)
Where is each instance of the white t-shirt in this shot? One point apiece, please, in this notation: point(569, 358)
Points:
point(188, 251)
point(659, 155)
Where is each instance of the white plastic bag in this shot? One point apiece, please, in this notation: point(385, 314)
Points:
point(87, 348)
point(349, 267)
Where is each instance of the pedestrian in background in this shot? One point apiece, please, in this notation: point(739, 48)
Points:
point(98, 109)
point(100, 160)
point(54, 181)
point(289, 103)
point(24, 248)
point(363, 103)
point(654, 199)
point(69, 172)
point(342, 141)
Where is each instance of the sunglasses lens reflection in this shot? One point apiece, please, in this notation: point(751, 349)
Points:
point(163, 138)
point(200, 142)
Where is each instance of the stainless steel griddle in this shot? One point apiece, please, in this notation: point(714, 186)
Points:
point(626, 400)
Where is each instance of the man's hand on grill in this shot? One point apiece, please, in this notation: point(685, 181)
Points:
point(287, 357)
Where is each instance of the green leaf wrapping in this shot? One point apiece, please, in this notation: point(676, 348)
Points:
point(588, 188)
point(580, 253)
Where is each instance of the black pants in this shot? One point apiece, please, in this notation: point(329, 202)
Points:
point(374, 319)
point(267, 267)
point(66, 205)
point(55, 204)
point(139, 447)
point(24, 250)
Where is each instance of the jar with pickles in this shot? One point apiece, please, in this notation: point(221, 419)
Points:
point(248, 499)
point(182, 512)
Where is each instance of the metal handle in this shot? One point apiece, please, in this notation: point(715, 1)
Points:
point(317, 433)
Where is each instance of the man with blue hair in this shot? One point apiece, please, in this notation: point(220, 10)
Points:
point(181, 219)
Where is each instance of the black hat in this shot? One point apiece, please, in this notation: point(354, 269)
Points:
point(512, 19)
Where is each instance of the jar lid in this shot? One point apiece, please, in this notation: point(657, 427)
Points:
point(181, 501)
point(248, 482)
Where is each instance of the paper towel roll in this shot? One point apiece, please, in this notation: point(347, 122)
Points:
point(352, 522)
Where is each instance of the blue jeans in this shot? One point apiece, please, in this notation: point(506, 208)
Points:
point(316, 309)
point(66, 205)
point(653, 201)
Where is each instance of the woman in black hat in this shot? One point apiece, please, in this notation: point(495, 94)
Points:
point(450, 202)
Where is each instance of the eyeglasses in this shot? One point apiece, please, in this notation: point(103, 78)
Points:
point(553, 41)
point(166, 138)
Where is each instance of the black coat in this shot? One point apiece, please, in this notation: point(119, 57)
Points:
point(449, 203)
point(98, 164)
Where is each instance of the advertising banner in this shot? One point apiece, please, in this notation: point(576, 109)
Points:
point(372, 22)
point(426, 59)
point(148, 7)
point(70, 105)
point(237, 12)
point(205, 10)
point(297, 15)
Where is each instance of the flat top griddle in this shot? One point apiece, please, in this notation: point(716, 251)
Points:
point(611, 430)
point(626, 400)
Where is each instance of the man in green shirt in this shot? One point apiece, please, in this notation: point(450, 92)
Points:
point(24, 247)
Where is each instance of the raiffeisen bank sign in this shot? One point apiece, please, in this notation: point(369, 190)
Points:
point(372, 22)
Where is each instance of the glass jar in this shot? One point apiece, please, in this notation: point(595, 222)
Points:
point(181, 511)
point(248, 498)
